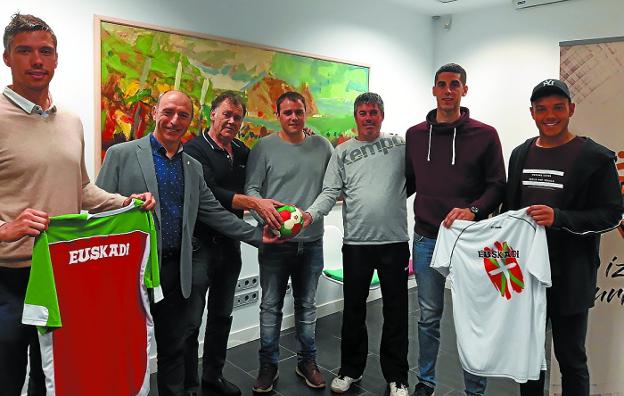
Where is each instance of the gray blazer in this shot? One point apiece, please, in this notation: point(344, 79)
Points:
point(129, 168)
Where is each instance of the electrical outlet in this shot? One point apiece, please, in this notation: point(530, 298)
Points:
point(247, 283)
point(245, 298)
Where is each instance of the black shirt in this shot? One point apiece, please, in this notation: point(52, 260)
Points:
point(546, 172)
point(224, 175)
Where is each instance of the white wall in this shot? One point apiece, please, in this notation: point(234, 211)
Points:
point(395, 42)
point(507, 52)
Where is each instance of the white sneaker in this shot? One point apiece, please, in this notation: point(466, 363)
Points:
point(398, 389)
point(342, 383)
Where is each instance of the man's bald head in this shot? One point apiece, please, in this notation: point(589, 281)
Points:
point(173, 114)
point(176, 92)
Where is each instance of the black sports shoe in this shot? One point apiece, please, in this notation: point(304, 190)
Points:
point(220, 387)
point(423, 390)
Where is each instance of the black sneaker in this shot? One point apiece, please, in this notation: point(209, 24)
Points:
point(423, 390)
point(220, 387)
point(267, 377)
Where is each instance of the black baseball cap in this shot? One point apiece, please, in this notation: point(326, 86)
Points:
point(550, 87)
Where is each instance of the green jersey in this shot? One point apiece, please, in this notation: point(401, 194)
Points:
point(88, 282)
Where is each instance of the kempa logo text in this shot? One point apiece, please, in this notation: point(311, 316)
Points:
point(383, 145)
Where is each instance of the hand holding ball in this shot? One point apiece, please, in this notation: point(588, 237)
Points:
point(293, 221)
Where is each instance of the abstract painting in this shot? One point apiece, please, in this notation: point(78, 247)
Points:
point(137, 63)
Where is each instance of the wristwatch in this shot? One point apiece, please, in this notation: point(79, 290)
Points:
point(474, 210)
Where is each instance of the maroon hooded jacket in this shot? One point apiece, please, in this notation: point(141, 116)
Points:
point(457, 165)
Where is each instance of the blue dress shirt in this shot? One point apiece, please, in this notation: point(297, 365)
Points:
point(170, 178)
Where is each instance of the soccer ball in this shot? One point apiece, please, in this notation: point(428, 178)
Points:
point(293, 221)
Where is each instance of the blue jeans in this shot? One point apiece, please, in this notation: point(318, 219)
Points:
point(431, 302)
point(303, 263)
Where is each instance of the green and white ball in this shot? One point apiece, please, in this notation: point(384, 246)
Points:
point(293, 221)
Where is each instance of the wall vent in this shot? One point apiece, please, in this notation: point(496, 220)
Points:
point(520, 4)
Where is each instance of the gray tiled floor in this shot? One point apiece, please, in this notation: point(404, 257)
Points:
point(241, 367)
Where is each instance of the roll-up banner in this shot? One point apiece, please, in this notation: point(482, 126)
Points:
point(593, 71)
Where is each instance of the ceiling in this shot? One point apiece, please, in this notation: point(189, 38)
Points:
point(434, 7)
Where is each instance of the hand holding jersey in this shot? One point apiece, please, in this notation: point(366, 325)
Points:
point(29, 222)
point(542, 214)
point(458, 214)
point(149, 202)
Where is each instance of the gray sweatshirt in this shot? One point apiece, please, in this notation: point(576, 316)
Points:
point(291, 173)
point(371, 178)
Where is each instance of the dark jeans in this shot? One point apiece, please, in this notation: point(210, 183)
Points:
point(16, 338)
point(303, 263)
point(391, 262)
point(569, 333)
point(171, 318)
point(216, 264)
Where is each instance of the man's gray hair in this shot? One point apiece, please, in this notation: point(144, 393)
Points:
point(368, 98)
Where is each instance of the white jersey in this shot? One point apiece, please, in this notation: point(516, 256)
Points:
point(499, 271)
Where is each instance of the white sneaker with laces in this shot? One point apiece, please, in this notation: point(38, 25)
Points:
point(398, 389)
point(342, 383)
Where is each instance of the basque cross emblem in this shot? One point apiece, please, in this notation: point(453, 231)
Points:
point(503, 269)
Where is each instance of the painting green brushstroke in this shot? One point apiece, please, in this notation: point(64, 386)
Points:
point(137, 64)
point(333, 87)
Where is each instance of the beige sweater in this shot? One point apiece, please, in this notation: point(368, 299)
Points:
point(42, 167)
